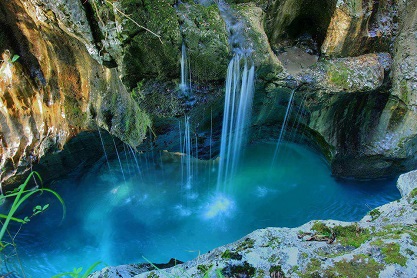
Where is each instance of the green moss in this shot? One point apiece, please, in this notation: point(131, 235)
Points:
point(359, 267)
point(395, 231)
point(273, 242)
point(375, 213)
point(392, 254)
point(321, 228)
point(273, 258)
point(246, 244)
point(204, 268)
point(227, 254)
point(313, 266)
point(404, 91)
point(351, 235)
point(206, 38)
point(398, 113)
point(145, 55)
point(158, 98)
point(73, 112)
point(410, 252)
point(339, 75)
point(260, 273)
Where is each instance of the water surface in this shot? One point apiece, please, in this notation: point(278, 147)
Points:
point(158, 213)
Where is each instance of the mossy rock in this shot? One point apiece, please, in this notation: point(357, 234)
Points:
point(206, 39)
point(146, 55)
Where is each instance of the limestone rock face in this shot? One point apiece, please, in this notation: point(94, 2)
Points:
point(359, 27)
point(55, 89)
point(387, 144)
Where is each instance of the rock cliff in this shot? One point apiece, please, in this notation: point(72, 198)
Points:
point(94, 63)
point(58, 86)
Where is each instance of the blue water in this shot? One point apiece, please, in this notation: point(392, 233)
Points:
point(153, 215)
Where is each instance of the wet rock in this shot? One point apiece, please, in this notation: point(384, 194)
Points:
point(206, 40)
point(359, 74)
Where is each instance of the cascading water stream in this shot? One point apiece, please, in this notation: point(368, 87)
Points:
point(185, 85)
point(239, 90)
point(284, 126)
point(187, 152)
point(104, 149)
point(118, 158)
point(238, 102)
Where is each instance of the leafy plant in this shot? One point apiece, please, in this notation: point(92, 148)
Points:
point(20, 195)
point(76, 272)
point(14, 58)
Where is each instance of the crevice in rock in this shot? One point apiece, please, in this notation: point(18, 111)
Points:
point(98, 36)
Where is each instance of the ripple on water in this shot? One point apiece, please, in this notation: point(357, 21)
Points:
point(154, 215)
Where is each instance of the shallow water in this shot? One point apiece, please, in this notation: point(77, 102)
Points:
point(157, 216)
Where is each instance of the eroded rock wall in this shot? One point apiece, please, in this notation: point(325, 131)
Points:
point(57, 87)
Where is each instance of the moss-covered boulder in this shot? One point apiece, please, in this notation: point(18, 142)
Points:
point(206, 39)
point(149, 54)
point(267, 65)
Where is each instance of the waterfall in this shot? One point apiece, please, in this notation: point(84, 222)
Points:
point(239, 90)
point(186, 149)
point(185, 85)
point(237, 109)
point(187, 146)
point(118, 158)
point(284, 125)
point(104, 149)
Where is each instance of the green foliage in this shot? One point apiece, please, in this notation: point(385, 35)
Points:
point(351, 235)
point(20, 195)
point(203, 268)
point(136, 93)
point(15, 58)
point(76, 272)
point(321, 228)
point(360, 267)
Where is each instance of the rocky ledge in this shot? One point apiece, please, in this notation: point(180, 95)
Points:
point(381, 244)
